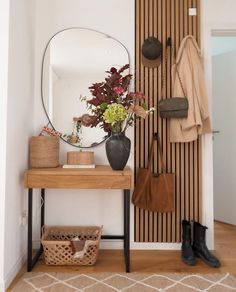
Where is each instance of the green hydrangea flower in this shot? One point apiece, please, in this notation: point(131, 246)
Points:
point(115, 113)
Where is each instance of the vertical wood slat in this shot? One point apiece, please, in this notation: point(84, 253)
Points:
point(146, 122)
point(137, 86)
point(173, 147)
point(168, 84)
point(150, 118)
point(163, 18)
point(164, 34)
point(177, 169)
point(142, 141)
point(155, 118)
point(159, 16)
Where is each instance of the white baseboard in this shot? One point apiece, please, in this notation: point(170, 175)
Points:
point(2, 285)
point(155, 246)
point(111, 244)
point(118, 244)
point(13, 272)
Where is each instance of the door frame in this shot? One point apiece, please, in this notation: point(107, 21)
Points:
point(207, 31)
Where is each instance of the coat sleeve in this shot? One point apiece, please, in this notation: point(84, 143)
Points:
point(201, 93)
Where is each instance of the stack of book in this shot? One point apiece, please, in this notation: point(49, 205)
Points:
point(78, 166)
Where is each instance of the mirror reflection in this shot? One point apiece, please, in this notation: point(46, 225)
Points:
point(73, 60)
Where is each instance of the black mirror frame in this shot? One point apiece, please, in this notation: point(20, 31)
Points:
point(42, 68)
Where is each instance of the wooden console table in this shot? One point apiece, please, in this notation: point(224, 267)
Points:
point(101, 177)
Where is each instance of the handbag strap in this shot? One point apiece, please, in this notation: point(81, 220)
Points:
point(156, 138)
point(177, 70)
point(163, 79)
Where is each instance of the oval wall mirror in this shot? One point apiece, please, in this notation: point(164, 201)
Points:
point(74, 59)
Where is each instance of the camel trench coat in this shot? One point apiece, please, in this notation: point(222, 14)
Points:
point(189, 64)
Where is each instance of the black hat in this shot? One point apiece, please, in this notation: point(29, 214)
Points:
point(151, 52)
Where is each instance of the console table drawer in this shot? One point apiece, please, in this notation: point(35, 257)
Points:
point(80, 181)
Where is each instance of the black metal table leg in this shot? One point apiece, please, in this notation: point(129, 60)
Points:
point(127, 230)
point(30, 219)
point(31, 261)
point(42, 212)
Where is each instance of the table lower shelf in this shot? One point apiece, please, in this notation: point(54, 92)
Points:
point(32, 260)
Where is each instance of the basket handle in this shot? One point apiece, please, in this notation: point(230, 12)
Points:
point(94, 242)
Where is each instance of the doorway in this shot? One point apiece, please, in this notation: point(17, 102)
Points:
point(224, 125)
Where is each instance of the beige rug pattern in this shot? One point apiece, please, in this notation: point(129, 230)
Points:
point(132, 282)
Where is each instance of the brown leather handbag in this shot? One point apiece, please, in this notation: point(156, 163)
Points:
point(154, 192)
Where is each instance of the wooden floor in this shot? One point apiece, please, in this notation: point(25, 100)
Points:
point(158, 261)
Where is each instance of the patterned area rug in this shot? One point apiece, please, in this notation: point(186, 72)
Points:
point(133, 282)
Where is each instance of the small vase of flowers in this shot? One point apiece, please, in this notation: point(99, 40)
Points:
point(115, 109)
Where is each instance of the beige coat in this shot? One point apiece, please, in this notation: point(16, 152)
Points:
point(189, 63)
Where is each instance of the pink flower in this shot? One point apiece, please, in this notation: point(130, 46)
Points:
point(118, 89)
point(137, 110)
point(138, 95)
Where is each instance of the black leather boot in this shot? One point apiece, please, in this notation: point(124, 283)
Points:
point(199, 246)
point(187, 254)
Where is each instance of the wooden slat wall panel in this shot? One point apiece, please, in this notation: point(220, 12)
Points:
point(162, 19)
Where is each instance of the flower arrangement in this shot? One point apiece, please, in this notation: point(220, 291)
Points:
point(113, 107)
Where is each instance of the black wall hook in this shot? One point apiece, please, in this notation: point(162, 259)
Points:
point(168, 42)
point(155, 136)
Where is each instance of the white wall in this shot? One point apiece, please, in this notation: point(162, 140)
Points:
point(19, 113)
point(112, 17)
point(216, 15)
point(4, 32)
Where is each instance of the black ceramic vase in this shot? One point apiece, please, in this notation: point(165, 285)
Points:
point(118, 150)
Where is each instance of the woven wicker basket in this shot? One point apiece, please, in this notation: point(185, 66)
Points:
point(44, 151)
point(58, 249)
